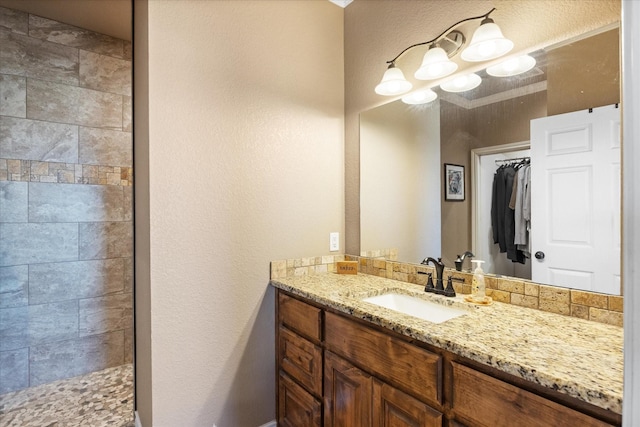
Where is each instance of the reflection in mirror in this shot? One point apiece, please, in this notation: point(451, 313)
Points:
point(404, 149)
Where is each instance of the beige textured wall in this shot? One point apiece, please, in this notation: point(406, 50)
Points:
point(400, 173)
point(245, 158)
point(464, 130)
point(575, 83)
point(375, 31)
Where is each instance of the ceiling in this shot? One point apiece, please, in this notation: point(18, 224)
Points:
point(111, 17)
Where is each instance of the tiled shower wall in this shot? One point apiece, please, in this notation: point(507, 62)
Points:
point(66, 273)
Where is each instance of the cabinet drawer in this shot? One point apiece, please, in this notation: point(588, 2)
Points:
point(296, 407)
point(301, 359)
point(481, 400)
point(411, 368)
point(300, 317)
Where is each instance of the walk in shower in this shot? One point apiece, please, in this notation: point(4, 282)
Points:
point(66, 230)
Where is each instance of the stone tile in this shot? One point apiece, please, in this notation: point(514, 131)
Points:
point(581, 311)
point(524, 300)
point(490, 282)
point(14, 286)
point(128, 50)
point(278, 269)
point(13, 96)
point(25, 56)
point(590, 299)
point(105, 73)
point(99, 240)
point(128, 203)
point(27, 243)
point(14, 20)
point(51, 282)
point(616, 303)
point(128, 345)
point(105, 147)
point(74, 105)
point(98, 399)
point(13, 201)
point(127, 114)
point(105, 314)
point(605, 316)
point(36, 324)
point(531, 289)
point(69, 35)
point(128, 274)
point(75, 203)
point(508, 285)
point(37, 140)
point(553, 293)
point(14, 368)
point(64, 359)
point(554, 306)
point(500, 296)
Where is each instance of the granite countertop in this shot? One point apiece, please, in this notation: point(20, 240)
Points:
point(577, 357)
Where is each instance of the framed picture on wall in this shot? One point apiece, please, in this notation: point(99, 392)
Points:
point(453, 182)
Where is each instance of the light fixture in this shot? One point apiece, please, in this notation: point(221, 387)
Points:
point(487, 43)
point(418, 97)
point(512, 66)
point(436, 64)
point(393, 82)
point(462, 83)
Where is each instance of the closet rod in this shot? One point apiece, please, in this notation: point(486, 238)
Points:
point(515, 159)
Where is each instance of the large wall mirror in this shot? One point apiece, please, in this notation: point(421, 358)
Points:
point(404, 150)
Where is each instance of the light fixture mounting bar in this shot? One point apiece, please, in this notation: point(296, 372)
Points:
point(486, 15)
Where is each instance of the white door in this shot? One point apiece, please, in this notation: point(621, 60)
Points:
point(575, 200)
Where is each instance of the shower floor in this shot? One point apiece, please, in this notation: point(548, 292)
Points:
point(98, 399)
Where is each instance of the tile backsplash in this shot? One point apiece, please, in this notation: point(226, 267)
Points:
point(569, 302)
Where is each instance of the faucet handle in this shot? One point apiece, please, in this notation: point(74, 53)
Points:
point(449, 291)
point(429, 287)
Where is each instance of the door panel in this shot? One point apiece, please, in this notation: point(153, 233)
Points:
point(575, 199)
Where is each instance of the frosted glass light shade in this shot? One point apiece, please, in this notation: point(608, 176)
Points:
point(420, 97)
point(462, 83)
point(487, 43)
point(435, 64)
point(512, 66)
point(393, 83)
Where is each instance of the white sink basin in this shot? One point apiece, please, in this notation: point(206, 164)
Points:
point(416, 307)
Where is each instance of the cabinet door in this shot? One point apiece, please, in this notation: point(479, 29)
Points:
point(393, 408)
point(483, 401)
point(347, 394)
point(296, 407)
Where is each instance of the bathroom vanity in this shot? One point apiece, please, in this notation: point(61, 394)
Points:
point(345, 362)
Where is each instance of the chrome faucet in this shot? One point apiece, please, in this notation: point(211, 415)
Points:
point(458, 262)
point(439, 265)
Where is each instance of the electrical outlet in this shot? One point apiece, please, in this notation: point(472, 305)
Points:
point(334, 241)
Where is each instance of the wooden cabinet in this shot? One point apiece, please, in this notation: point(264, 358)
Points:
point(297, 407)
point(406, 366)
point(393, 408)
point(481, 400)
point(299, 359)
point(354, 398)
point(335, 371)
point(347, 394)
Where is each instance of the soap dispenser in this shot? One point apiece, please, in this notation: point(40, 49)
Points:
point(478, 289)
